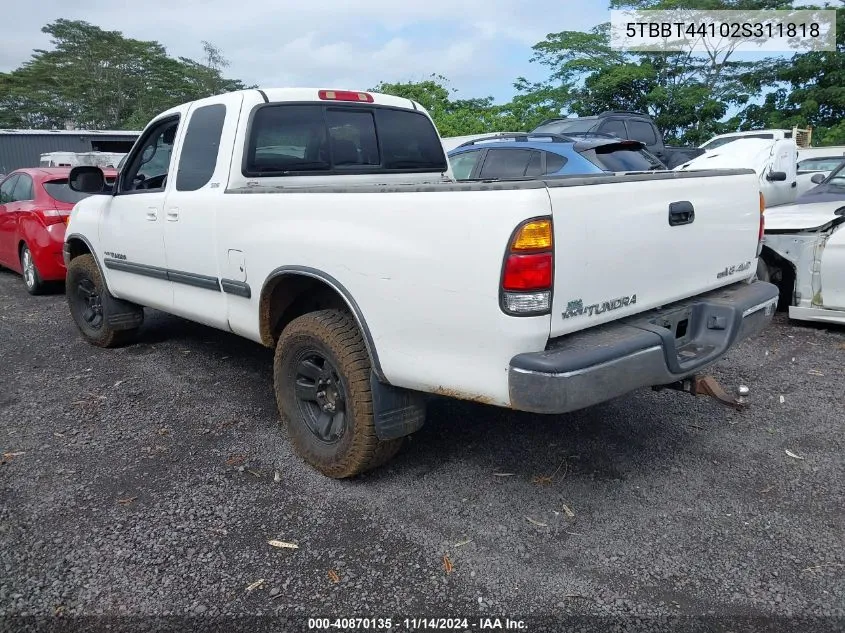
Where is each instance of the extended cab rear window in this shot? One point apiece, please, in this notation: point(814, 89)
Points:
point(320, 139)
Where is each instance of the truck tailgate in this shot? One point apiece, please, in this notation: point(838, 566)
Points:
point(626, 244)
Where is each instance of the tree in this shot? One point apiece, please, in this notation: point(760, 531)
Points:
point(809, 91)
point(686, 93)
point(452, 117)
point(100, 79)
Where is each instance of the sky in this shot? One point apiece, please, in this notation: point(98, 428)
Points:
point(481, 46)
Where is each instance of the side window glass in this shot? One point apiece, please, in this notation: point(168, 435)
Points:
point(198, 159)
point(642, 131)
point(615, 127)
point(148, 167)
point(535, 167)
point(7, 188)
point(23, 189)
point(463, 164)
point(506, 163)
point(554, 163)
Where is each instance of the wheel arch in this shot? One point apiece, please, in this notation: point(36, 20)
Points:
point(76, 245)
point(785, 275)
point(291, 291)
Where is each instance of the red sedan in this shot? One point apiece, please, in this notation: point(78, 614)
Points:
point(35, 205)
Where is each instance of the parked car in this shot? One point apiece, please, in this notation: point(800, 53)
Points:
point(625, 125)
point(827, 188)
point(521, 155)
point(378, 279)
point(821, 164)
point(804, 254)
point(836, 151)
point(723, 139)
point(451, 142)
point(34, 208)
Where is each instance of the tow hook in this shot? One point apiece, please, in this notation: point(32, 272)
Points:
point(708, 386)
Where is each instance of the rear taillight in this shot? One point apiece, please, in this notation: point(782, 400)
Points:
point(762, 231)
point(54, 216)
point(528, 270)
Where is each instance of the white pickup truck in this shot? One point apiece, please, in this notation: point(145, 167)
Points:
point(326, 224)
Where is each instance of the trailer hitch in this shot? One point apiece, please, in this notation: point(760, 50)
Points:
point(708, 386)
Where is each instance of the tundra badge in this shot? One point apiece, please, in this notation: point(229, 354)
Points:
point(577, 308)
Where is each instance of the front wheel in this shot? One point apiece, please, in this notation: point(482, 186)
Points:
point(31, 277)
point(87, 298)
point(321, 375)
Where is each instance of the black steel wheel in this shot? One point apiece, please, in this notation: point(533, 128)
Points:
point(86, 297)
point(320, 397)
point(321, 375)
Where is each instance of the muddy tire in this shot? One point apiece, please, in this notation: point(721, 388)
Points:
point(85, 290)
point(321, 375)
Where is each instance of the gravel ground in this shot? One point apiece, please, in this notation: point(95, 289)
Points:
point(146, 481)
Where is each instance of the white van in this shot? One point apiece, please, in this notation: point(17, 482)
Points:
point(775, 162)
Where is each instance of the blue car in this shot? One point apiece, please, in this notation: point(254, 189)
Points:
point(536, 155)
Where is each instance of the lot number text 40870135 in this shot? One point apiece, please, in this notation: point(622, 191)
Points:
point(414, 624)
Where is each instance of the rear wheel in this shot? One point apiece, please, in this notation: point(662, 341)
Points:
point(322, 383)
point(85, 292)
point(31, 277)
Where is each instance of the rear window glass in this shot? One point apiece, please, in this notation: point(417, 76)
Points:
point(304, 139)
point(59, 190)
point(614, 158)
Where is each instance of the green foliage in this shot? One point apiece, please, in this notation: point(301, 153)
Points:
point(100, 79)
point(809, 91)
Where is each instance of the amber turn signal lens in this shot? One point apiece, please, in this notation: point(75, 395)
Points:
point(532, 236)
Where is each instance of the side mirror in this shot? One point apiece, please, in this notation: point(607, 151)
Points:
point(817, 179)
point(776, 176)
point(86, 179)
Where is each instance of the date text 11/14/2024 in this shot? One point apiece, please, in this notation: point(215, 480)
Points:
point(414, 624)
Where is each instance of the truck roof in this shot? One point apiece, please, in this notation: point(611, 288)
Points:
point(314, 94)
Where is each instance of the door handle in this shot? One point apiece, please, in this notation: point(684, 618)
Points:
point(681, 212)
point(152, 214)
point(173, 215)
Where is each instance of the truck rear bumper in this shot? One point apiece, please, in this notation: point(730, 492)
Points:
point(658, 347)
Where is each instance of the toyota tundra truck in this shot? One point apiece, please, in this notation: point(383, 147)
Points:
point(326, 224)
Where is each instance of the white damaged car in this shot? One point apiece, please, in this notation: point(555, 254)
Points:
point(804, 254)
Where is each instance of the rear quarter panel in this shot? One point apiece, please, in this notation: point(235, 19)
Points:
point(423, 265)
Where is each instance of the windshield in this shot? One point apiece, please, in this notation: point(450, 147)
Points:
point(820, 164)
point(567, 126)
point(835, 179)
point(728, 139)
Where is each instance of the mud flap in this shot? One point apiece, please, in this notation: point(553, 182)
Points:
point(120, 314)
point(396, 412)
